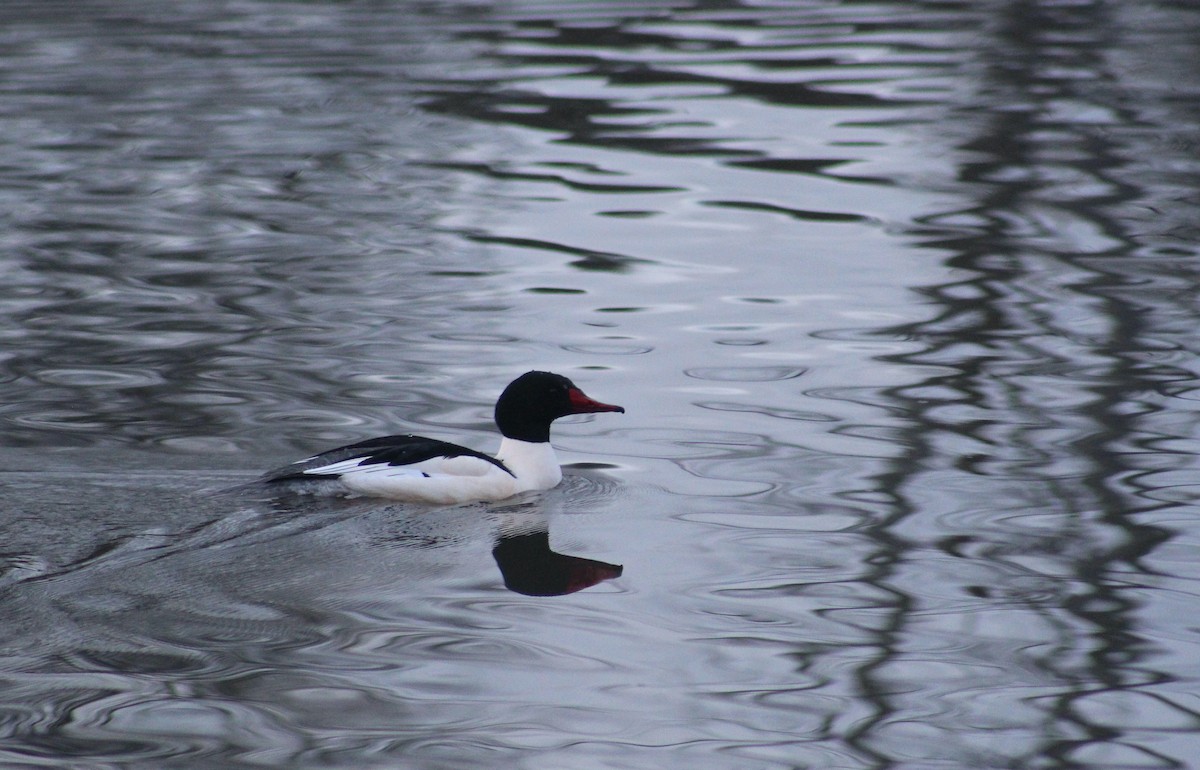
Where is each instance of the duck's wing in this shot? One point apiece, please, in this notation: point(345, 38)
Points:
point(416, 454)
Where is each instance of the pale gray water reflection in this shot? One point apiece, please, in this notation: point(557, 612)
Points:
point(900, 298)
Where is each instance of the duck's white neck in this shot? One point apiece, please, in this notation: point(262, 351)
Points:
point(533, 463)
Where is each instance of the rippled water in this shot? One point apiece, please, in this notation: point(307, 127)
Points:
point(900, 297)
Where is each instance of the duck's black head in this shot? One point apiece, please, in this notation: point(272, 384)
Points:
point(535, 399)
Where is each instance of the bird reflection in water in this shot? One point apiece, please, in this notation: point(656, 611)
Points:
point(519, 533)
point(530, 567)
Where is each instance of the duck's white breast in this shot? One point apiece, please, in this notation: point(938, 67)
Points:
point(534, 464)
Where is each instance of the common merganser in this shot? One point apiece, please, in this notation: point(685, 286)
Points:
point(419, 469)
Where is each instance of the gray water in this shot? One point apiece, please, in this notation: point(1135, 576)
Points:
point(900, 297)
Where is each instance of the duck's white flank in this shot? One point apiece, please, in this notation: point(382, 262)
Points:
point(452, 480)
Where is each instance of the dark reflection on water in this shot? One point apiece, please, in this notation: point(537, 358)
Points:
point(900, 297)
point(1030, 458)
point(531, 567)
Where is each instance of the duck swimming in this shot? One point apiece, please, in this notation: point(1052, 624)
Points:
point(419, 469)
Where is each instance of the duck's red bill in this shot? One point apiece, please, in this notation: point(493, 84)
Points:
point(583, 405)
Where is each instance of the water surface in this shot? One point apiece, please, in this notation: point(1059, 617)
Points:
point(899, 298)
